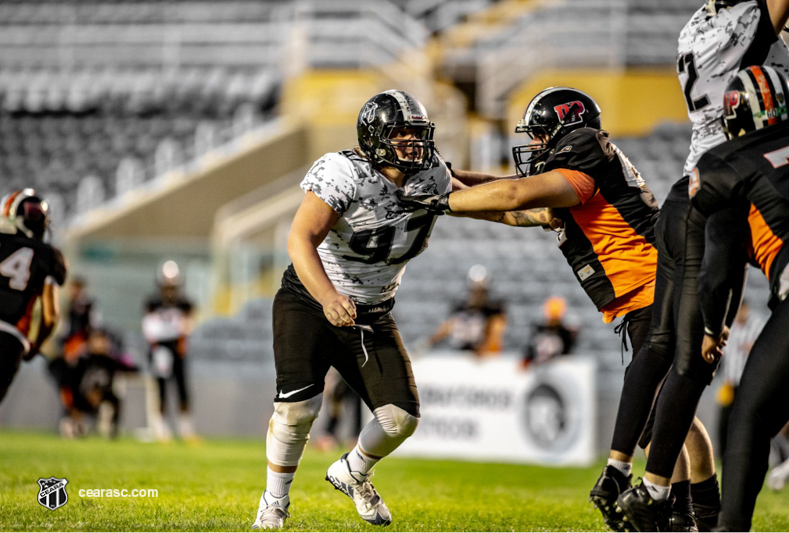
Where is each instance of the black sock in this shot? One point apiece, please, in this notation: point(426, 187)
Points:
point(706, 492)
point(706, 502)
point(681, 492)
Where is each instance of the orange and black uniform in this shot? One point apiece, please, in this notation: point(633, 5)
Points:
point(750, 176)
point(25, 266)
point(608, 239)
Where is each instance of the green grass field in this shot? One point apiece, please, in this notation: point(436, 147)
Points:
point(215, 487)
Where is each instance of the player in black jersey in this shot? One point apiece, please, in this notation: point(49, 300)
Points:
point(748, 176)
point(30, 269)
point(722, 37)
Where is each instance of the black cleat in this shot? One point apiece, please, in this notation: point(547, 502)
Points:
point(680, 521)
point(706, 516)
point(642, 512)
point(603, 495)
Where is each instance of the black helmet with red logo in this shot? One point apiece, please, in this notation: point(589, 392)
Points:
point(754, 99)
point(552, 114)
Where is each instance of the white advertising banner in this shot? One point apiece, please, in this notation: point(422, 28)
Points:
point(495, 410)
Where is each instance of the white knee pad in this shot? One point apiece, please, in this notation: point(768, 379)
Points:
point(388, 430)
point(289, 430)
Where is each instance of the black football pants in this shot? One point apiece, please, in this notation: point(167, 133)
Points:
point(673, 350)
point(761, 408)
point(373, 363)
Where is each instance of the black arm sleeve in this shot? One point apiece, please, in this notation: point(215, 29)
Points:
point(712, 185)
point(737, 291)
point(722, 267)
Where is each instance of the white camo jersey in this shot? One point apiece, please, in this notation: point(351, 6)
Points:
point(710, 53)
point(366, 251)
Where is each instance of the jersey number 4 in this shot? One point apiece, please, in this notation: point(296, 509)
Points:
point(686, 65)
point(16, 267)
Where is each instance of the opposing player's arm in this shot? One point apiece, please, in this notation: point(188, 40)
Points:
point(779, 14)
point(550, 189)
point(538, 217)
point(541, 216)
point(721, 276)
point(311, 224)
point(50, 314)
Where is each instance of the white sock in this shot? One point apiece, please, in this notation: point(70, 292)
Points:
point(359, 462)
point(278, 484)
point(657, 492)
point(622, 466)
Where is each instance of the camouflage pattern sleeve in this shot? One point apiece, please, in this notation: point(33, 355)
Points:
point(332, 179)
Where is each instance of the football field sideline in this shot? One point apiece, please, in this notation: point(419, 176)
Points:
point(215, 486)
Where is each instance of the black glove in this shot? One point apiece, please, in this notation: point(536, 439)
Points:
point(434, 203)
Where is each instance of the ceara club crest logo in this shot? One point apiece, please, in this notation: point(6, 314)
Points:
point(52, 492)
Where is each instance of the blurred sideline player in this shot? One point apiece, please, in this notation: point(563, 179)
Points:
point(349, 243)
point(92, 385)
point(166, 326)
point(476, 325)
point(747, 179)
point(720, 39)
point(30, 269)
point(552, 337)
point(608, 235)
point(74, 331)
point(79, 319)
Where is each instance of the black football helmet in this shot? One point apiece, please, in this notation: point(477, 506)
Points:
point(26, 211)
point(387, 115)
point(551, 115)
point(713, 6)
point(754, 99)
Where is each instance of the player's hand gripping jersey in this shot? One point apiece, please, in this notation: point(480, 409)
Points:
point(712, 49)
point(607, 239)
point(25, 266)
point(366, 251)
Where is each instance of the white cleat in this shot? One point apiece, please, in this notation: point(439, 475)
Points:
point(776, 478)
point(272, 512)
point(357, 487)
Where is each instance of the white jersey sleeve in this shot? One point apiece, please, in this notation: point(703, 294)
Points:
point(333, 180)
point(711, 50)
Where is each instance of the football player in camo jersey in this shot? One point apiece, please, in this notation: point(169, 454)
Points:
point(349, 244)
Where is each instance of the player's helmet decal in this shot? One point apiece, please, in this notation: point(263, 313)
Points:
point(551, 115)
point(368, 112)
point(731, 100)
point(570, 112)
